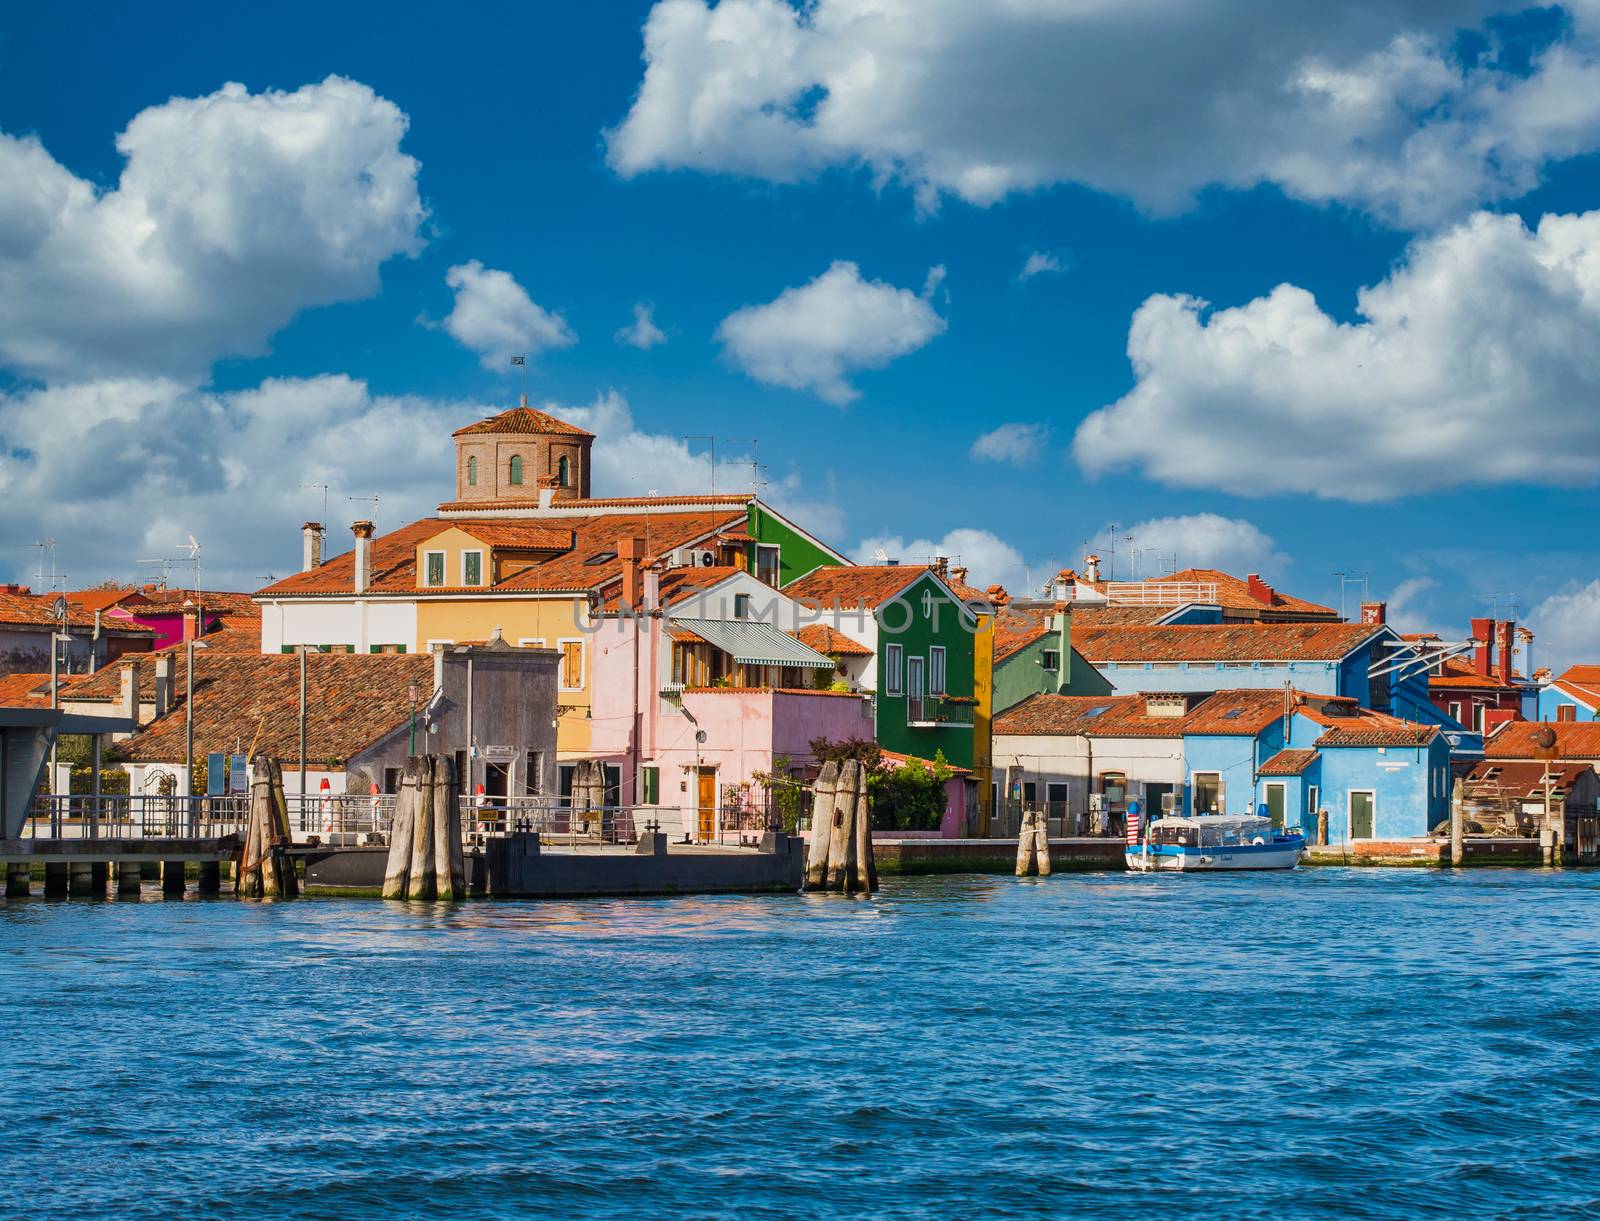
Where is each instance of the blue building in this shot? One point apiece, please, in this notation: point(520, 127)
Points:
point(1378, 776)
point(1574, 696)
point(1366, 662)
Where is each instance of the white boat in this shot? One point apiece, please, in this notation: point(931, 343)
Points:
point(1215, 841)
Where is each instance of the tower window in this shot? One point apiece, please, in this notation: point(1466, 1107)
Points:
point(472, 472)
point(564, 472)
point(516, 468)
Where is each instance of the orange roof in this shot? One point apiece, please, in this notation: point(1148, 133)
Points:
point(830, 643)
point(897, 757)
point(1236, 712)
point(1458, 674)
point(1346, 723)
point(1582, 683)
point(1288, 763)
point(394, 556)
point(353, 700)
point(517, 535)
point(1573, 740)
point(92, 600)
point(1089, 615)
point(1016, 627)
point(1094, 716)
point(1235, 594)
point(559, 509)
point(868, 585)
point(26, 609)
point(26, 690)
point(1224, 642)
point(523, 420)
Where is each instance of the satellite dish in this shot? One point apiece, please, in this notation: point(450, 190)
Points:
point(881, 555)
point(59, 608)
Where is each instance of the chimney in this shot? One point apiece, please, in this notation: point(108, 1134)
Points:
point(1524, 635)
point(1375, 613)
point(958, 574)
point(941, 565)
point(547, 496)
point(524, 398)
point(363, 532)
point(130, 691)
point(163, 683)
point(310, 546)
point(997, 595)
point(1483, 647)
point(11, 587)
point(191, 620)
point(652, 587)
point(631, 552)
point(1260, 590)
point(1091, 567)
point(1506, 631)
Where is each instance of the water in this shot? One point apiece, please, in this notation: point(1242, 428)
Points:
point(1353, 1043)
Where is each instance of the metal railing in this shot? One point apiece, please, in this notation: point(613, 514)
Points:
point(1061, 820)
point(933, 710)
point(1160, 593)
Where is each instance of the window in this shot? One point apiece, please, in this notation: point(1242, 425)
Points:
point(533, 773)
point(1311, 800)
point(472, 472)
point(1567, 712)
point(564, 472)
point(891, 669)
point(741, 606)
point(572, 665)
point(1207, 793)
point(1455, 711)
point(435, 645)
point(651, 788)
point(1056, 796)
point(472, 568)
point(386, 648)
point(530, 642)
point(767, 564)
point(435, 567)
point(516, 468)
point(936, 670)
point(1050, 660)
point(1115, 787)
point(1477, 718)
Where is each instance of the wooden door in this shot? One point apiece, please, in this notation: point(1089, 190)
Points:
point(706, 791)
point(1361, 812)
point(914, 690)
point(1276, 803)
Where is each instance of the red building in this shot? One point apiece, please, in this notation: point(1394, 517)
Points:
point(1484, 690)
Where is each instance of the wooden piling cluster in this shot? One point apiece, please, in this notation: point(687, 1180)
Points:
point(841, 832)
point(1033, 846)
point(265, 870)
point(425, 860)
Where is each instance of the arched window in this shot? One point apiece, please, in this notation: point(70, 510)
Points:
point(516, 469)
point(472, 472)
point(564, 472)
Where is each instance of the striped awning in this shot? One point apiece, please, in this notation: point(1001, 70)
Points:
point(755, 644)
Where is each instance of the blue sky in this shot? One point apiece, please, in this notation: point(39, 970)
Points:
point(1443, 441)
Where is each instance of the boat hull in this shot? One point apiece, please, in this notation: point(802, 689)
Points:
point(1177, 858)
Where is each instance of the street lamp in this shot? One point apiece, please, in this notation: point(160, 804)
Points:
point(413, 693)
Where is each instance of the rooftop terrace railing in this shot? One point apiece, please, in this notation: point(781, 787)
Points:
point(1160, 593)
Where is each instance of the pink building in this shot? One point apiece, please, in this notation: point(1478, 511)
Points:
point(694, 751)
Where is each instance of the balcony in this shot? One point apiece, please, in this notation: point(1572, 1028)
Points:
point(938, 711)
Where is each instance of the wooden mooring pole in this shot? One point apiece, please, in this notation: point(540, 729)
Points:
point(840, 859)
point(425, 860)
point(1033, 846)
point(1458, 825)
point(264, 869)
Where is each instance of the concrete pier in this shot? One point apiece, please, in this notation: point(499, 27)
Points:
point(210, 878)
point(55, 879)
point(921, 856)
point(173, 881)
point(130, 877)
point(18, 882)
point(80, 880)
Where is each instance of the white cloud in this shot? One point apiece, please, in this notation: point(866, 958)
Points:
point(1476, 361)
point(1406, 610)
point(814, 336)
point(1365, 104)
point(150, 461)
point(1567, 627)
point(643, 334)
point(1040, 262)
point(1018, 444)
point(989, 559)
point(1200, 540)
point(233, 212)
point(495, 317)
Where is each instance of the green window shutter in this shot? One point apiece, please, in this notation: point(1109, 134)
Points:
point(399, 648)
point(286, 648)
point(373, 648)
point(349, 648)
point(652, 786)
point(473, 568)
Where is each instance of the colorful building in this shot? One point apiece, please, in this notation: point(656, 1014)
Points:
point(1033, 655)
point(1574, 695)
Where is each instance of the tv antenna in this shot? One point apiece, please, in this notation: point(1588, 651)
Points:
point(1495, 599)
point(325, 490)
point(166, 569)
point(374, 501)
point(46, 545)
point(193, 548)
point(1347, 579)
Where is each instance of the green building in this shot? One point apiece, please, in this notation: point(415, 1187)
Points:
point(781, 552)
point(921, 637)
point(1033, 655)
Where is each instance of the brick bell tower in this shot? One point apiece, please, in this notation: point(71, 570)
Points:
point(517, 456)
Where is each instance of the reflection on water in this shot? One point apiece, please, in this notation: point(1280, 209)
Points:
point(1376, 1043)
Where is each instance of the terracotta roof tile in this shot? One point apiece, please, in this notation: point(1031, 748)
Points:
point(1458, 674)
point(1088, 615)
point(25, 690)
point(25, 609)
point(394, 562)
point(1015, 628)
point(1247, 711)
point(523, 420)
point(1223, 642)
point(1353, 725)
point(1233, 593)
point(252, 700)
point(830, 642)
point(517, 535)
point(1573, 740)
point(868, 585)
point(1526, 780)
point(466, 510)
point(1288, 763)
point(1095, 716)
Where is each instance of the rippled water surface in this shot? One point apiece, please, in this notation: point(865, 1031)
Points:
point(1367, 1043)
